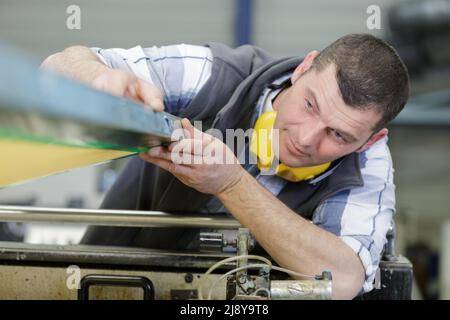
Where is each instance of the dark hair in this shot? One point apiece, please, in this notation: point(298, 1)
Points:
point(369, 73)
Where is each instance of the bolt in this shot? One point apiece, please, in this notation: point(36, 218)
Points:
point(242, 279)
point(188, 277)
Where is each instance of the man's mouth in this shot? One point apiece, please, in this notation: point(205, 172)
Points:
point(294, 150)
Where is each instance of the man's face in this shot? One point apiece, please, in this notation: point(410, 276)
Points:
point(315, 125)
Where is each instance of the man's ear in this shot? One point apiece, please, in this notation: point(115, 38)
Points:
point(376, 137)
point(304, 65)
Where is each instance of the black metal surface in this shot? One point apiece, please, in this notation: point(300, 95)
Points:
point(113, 280)
point(396, 281)
point(389, 248)
point(15, 252)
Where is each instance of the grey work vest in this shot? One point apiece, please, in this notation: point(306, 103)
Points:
point(227, 100)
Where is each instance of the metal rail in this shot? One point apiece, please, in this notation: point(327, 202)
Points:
point(123, 218)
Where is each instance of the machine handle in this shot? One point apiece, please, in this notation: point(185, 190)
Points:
point(114, 280)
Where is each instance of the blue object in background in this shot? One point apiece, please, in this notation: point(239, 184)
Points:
point(243, 22)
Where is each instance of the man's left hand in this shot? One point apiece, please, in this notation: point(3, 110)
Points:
point(200, 161)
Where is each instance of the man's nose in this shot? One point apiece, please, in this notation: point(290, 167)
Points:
point(309, 135)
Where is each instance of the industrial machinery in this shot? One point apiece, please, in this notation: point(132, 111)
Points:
point(30, 271)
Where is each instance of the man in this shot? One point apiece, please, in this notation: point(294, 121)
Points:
point(332, 106)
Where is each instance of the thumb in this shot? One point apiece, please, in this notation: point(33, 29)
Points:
point(188, 128)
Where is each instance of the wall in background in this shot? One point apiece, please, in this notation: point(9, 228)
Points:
point(40, 26)
point(292, 27)
point(284, 27)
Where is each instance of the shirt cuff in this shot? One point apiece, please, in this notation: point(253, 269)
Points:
point(97, 52)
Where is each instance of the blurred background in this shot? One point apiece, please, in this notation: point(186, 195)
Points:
point(419, 138)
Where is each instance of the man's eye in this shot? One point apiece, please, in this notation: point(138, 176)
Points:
point(337, 135)
point(308, 105)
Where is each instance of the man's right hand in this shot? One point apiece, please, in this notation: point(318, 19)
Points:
point(125, 84)
point(81, 64)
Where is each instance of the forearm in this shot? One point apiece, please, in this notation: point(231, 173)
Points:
point(77, 62)
point(292, 241)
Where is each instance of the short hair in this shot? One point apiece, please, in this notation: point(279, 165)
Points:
point(370, 74)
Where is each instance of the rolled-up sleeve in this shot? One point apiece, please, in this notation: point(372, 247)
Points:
point(361, 216)
point(179, 71)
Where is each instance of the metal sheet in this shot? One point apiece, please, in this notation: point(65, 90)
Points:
point(49, 123)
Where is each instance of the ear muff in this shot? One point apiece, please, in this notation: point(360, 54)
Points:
point(261, 147)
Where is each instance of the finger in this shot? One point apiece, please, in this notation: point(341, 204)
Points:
point(99, 82)
point(131, 93)
point(192, 132)
point(163, 153)
point(192, 146)
point(155, 151)
point(113, 83)
point(162, 163)
point(178, 132)
point(117, 83)
point(186, 159)
point(189, 130)
point(179, 157)
point(175, 169)
point(159, 152)
point(150, 95)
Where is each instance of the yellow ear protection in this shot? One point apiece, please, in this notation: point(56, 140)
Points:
point(261, 147)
